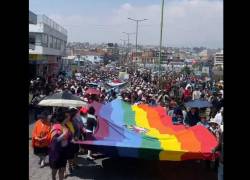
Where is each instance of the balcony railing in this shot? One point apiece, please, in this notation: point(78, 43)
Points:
point(44, 19)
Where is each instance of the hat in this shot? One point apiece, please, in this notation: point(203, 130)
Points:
point(212, 121)
point(84, 110)
point(72, 110)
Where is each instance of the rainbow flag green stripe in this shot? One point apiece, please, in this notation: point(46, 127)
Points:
point(143, 131)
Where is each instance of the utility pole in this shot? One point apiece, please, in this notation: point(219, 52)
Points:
point(162, 9)
point(137, 21)
point(123, 57)
point(128, 34)
point(78, 64)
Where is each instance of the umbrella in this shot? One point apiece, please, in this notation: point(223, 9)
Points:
point(198, 104)
point(62, 99)
point(92, 84)
point(93, 91)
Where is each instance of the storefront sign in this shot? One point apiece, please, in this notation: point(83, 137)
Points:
point(38, 59)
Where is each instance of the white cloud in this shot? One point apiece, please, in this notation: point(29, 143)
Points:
point(187, 22)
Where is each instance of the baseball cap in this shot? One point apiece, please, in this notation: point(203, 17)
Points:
point(83, 110)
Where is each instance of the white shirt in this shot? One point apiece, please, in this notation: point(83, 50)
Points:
point(222, 93)
point(196, 95)
point(218, 118)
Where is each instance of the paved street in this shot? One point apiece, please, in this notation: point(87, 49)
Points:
point(126, 169)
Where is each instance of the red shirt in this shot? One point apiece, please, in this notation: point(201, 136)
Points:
point(187, 93)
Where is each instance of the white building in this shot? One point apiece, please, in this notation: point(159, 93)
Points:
point(93, 59)
point(47, 45)
point(218, 59)
point(203, 55)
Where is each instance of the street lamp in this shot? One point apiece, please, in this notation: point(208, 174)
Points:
point(137, 21)
point(124, 42)
point(162, 9)
point(128, 34)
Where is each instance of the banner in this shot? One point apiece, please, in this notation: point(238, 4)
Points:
point(205, 70)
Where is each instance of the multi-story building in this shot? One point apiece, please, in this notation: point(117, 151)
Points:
point(47, 45)
point(151, 56)
point(218, 59)
point(148, 56)
point(203, 55)
point(164, 56)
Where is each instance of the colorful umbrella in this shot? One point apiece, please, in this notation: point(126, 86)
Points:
point(62, 99)
point(198, 104)
point(92, 84)
point(142, 131)
point(116, 83)
point(93, 91)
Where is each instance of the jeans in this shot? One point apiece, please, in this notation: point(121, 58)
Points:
point(220, 172)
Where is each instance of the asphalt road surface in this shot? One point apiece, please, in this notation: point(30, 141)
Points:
point(125, 169)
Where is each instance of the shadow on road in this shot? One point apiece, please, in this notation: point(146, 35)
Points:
point(124, 168)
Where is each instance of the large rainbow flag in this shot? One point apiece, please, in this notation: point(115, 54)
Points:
point(143, 131)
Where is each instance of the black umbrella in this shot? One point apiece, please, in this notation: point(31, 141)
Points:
point(198, 104)
point(62, 99)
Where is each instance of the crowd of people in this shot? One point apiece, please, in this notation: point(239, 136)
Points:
point(54, 135)
point(170, 91)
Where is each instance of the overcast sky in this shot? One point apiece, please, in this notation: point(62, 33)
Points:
point(186, 22)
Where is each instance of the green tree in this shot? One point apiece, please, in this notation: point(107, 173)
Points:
point(186, 70)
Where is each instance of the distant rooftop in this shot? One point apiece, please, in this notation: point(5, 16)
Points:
point(221, 52)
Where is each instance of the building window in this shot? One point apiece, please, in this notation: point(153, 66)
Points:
point(63, 45)
point(59, 44)
point(50, 42)
point(32, 40)
point(45, 40)
point(54, 42)
point(39, 39)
